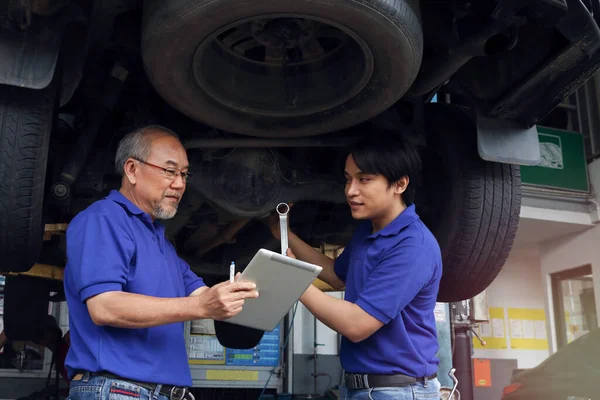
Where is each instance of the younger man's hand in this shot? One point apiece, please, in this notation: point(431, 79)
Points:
point(290, 253)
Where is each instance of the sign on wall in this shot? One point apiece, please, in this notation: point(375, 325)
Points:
point(204, 348)
point(494, 332)
point(527, 329)
point(563, 164)
point(482, 373)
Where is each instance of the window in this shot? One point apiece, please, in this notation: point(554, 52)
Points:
point(574, 304)
point(564, 116)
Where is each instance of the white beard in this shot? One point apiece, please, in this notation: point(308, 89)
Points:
point(161, 212)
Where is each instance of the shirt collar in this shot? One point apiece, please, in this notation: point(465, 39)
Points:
point(406, 217)
point(118, 197)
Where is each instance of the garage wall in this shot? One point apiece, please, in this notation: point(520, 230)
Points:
point(568, 253)
point(573, 251)
point(519, 285)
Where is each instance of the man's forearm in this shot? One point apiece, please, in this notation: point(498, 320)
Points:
point(344, 317)
point(199, 291)
point(303, 251)
point(130, 310)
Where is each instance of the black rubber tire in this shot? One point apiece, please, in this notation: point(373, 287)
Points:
point(472, 206)
point(173, 31)
point(25, 123)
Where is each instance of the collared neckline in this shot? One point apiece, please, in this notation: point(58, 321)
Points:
point(405, 218)
point(118, 197)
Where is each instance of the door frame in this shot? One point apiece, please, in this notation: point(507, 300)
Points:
point(558, 298)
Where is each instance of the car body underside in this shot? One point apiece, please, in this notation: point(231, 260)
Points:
point(267, 95)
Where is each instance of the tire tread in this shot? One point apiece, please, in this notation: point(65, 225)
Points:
point(25, 122)
point(486, 220)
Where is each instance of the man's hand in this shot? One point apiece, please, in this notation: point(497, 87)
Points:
point(135, 311)
point(226, 299)
point(303, 251)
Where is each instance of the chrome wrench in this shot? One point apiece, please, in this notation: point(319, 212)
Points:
point(454, 383)
point(283, 209)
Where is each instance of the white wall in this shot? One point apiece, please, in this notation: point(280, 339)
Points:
point(519, 285)
point(594, 177)
point(571, 252)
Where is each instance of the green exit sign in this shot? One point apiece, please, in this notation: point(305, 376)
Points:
point(563, 164)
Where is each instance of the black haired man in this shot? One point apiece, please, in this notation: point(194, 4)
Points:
point(391, 271)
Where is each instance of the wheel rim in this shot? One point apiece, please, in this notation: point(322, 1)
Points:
point(282, 65)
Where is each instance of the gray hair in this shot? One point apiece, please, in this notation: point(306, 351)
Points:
point(136, 144)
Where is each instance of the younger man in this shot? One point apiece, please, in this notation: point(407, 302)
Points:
point(391, 271)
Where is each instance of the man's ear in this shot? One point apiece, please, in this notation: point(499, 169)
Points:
point(401, 185)
point(131, 171)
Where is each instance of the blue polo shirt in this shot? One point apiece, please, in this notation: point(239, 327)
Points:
point(393, 275)
point(115, 246)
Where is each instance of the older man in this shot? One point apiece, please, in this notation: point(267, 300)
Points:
point(127, 290)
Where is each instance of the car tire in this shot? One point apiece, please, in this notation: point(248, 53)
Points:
point(219, 62)
point(472, 206)
point(25, 123)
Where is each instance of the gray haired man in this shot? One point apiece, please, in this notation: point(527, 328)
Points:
point(127, 290)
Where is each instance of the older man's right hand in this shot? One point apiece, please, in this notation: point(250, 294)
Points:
point(226, 299)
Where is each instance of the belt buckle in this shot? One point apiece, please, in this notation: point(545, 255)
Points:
point(178, 393)
point(360, 381)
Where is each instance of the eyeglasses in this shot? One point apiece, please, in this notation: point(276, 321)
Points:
point(170, 173)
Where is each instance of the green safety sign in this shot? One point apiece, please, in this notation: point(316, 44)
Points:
point(563, 164)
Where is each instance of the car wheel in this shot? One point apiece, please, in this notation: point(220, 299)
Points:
point(282, 68)
point(472, 206)
point(25, 125)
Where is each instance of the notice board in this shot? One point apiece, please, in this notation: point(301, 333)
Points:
point(494, 332)
point(527, 327)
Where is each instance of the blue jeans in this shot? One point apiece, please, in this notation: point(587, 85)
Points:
point(102, 388)
point(415, 391)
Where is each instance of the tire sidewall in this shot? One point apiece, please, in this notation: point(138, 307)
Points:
point(444, 170)
point(473, 251)
point(170, 41)
point(21, 233)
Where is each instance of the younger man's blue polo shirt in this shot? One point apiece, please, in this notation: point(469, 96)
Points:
point(115, 246)
point(393, 275)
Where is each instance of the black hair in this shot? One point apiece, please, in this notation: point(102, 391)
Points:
point(391, 155)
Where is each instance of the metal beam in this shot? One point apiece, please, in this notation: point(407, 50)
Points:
point(43, 271)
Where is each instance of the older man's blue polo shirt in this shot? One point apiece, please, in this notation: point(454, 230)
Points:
point(393, 275)
point(115, 246)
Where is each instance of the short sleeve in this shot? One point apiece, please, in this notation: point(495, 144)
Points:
point(396, 281)
point(99, 253)
point(341, 263)
point(190, 279)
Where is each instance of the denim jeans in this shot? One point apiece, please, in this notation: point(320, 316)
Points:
point(102, 388)
point(415, 391)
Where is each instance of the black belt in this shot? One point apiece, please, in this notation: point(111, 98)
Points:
point(171, 391)
point(369, 381)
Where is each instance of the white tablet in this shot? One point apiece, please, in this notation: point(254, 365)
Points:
point(280, 281)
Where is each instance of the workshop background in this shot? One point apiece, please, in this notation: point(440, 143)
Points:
point(544, 298)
